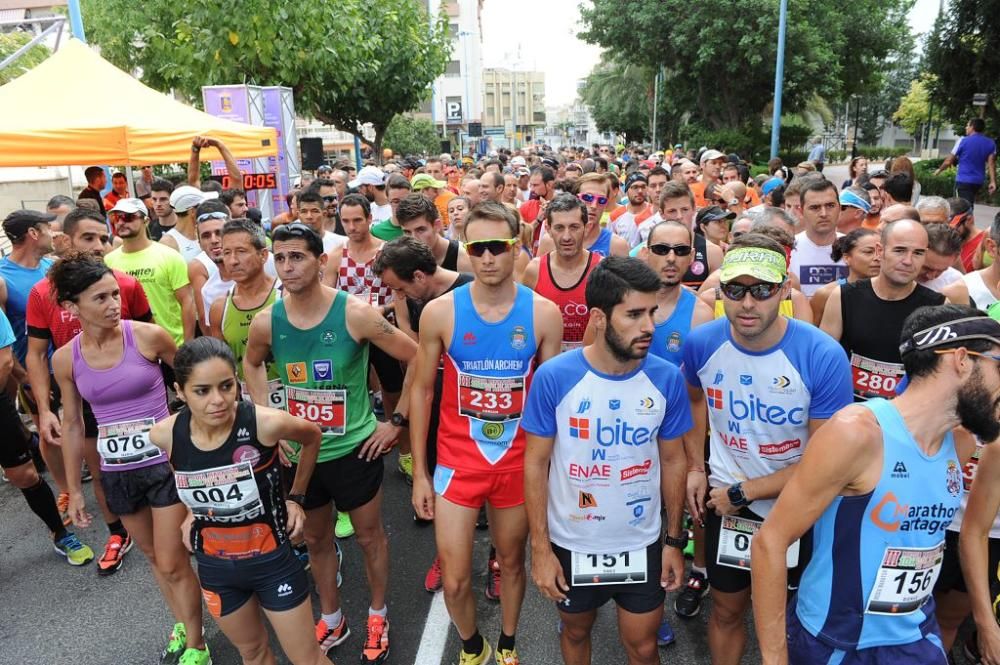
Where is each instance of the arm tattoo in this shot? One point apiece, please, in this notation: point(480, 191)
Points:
point(384, 327)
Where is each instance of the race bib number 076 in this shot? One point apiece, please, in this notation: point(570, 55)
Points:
point(126, 443)
point(490, 398)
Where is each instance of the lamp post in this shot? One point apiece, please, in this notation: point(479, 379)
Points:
point(779, 75)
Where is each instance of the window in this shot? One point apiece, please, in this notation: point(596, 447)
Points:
point(453, 68)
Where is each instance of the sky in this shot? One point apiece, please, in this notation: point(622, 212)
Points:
point(530, 35)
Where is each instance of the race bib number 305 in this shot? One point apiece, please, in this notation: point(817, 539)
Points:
point(490, 398)
point(223, 494)
point(326, 408)
point(126, 443)
point(735, 536)
point(905, 579)
point(618, 568)
point(874, 378)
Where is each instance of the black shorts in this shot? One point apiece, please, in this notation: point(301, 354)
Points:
point(734, 580)
point(637, 598)
point(348, 482)
point(277, 579)
point(55, 403)
point(128, 492)
point(15, 449)
point(388, 369)
point(952, 578)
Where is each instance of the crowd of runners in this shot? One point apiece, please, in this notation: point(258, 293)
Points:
point(616, 360)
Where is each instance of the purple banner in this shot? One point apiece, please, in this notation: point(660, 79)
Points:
point(278, 165)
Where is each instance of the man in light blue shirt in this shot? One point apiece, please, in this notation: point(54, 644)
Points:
point(976, 154)
point(818, 154)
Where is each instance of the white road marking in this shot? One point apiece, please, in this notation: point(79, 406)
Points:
point(435, 635)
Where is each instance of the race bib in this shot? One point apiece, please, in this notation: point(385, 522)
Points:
point(126, 443)
point(490, 398)
point(874, 378)
point(598, 569)
point(326, 408)
point(905, 579)
point(569, 346)
point(223, 494)
point(735, 536)
point(275, 393)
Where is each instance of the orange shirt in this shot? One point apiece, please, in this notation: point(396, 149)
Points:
point(441, 203)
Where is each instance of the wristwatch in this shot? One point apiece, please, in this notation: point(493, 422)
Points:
point(679, 543)
point(736, 495)
point(399, 420)
point(298, 498)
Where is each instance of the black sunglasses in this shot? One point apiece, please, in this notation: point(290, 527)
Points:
point(663, 249)
point(758, 291)
point(330, 199)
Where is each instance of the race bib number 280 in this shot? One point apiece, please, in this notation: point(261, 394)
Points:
point(874, 378)
point(489, 398)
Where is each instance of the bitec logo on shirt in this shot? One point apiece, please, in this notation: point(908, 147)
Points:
point(753, 409)
point(608, 434)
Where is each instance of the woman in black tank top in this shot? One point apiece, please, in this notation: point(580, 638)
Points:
point(225, 456)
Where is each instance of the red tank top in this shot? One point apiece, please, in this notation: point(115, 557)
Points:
point(572, 300)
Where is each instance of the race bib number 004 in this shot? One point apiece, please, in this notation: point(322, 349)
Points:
point(905, 579)
point(223, 494)
point(735, 536)
point(490, 398)
point(326, 408)
point(874, 378)
point(126, 443)
point(598, 569)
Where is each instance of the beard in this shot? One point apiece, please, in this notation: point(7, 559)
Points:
point(977, 410)
point(621, 350)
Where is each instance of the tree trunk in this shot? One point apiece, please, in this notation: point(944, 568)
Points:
point(377, 146)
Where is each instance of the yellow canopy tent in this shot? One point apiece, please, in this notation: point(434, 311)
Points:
point(78, 109)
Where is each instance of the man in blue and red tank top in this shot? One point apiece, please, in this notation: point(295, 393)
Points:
point(491, 332)
point(879, 485)
point(561, 275)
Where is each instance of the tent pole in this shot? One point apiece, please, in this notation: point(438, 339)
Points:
point(130, 179)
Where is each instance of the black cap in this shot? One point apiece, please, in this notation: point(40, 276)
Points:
point(551, 162)
point(17, 223)
point(713, 214)
point(633, 178)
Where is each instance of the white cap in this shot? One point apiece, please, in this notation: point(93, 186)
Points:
point(369, 175)
point(186, 197)
point(517, 161)
point(130, 206)
point(710, 155)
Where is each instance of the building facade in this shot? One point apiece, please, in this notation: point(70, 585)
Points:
point(514, 101)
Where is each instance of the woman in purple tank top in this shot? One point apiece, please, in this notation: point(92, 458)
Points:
point(115, 366)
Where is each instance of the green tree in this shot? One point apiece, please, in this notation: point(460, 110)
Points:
point(963, 51)
point(720, 54)
point(916, 110)
point(620, 95)
point(412, 136)
point(12, 41)
point(349, 64)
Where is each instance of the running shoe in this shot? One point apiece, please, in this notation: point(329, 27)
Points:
point(196, 657)
point(689, 548)
point(340, 553)
point(664, 634)
point(76, 553)
point(62, 503)
point(507, 657)
point(688, 601)
point(344, 528)
point(330, 637)
point(406, 467)
point(175, 645)
point(114, 554)
point(433, 581)
point(85, 475)
point(376, 648)
point(476, 658)
point(493, 580)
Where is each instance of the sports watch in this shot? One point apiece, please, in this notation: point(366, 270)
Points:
point(399, 420)
point(298, 498)
point(679, 543)
point(736, 495)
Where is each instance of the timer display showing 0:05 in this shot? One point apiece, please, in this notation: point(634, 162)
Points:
point(252, 181)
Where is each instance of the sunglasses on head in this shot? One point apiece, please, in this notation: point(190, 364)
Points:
point(663, 249)
point(212, 215)
point(590, 198)
point(293, 230)
point(495, 247)
point(758, 291)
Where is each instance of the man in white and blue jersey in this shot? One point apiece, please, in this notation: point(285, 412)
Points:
point(879, 486)
point(603, 455)
point(769, 382)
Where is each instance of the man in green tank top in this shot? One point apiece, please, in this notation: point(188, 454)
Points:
point(318, 338)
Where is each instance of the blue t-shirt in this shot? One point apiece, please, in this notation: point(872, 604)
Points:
point(604, 474)
point(6, 333)
point(19, 282)
point(760, 402)
point(972, 152)
point(818, 153)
